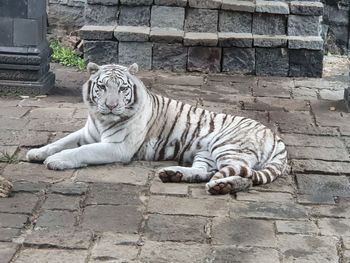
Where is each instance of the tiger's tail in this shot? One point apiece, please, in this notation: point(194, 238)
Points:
point(276, 166)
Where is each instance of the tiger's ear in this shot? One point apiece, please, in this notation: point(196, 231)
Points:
point(133, 69)
point(92, 68)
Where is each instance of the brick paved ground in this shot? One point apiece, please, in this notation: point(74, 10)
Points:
point(119, 213)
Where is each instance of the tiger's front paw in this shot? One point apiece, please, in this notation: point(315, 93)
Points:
point(40, 154)
point(60, 162)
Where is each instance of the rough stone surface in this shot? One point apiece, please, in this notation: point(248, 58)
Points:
point(59, 239)
point(273, 7)
point(113, 194)
point(239, 60)
point(101, 52)
point(243, 6)
point(171, 2)
point(134, 16)
point(246, 232)
point(166, 35)
point(118, 247)
point(313, 43)
point(235, 39)
point(323, 185)
point(201, 39)
point(334, 227)
point(266, 24)
point(54, 220)
point(164, 252)
point(225, 254)
point(132, 33)
point(168, 17)
point(270, 41)
point(306, 8)
point(12, 220)
point(51, 255)
point(201, 20)
point(171, 57)
point(296, 227)
point(308, 248)
point(128, 218)
point(7, 251)
point(204, 59)
point(176, 228)
point(303, 25)
point(135, 52)
point(211, 4)
point(184, 206)
point(272, 61)
point(305, 63)
point(237, 22)
point(317, 166)
point(101, 15)
point(96, 32)
point(268, 210)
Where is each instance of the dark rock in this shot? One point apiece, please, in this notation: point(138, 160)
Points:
point(204, 59)
point(305, 63)
point(134, 16)
point(237, 22)
point(303, 25)
point(272, 61)
point(101, 15)
point(136, 52)
point(239, 60)
point(101, 52)
point(165, 16)
point(128, 218)
point(201, 20)
point(169, 57)
point(267, 24)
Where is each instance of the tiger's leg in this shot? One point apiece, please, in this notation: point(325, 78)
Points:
point(203, 168)
point(234, 174)
point(72, 140)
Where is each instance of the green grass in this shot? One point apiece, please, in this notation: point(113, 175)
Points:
point(66, 56)
point(8, 158)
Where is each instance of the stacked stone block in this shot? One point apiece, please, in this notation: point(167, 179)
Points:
point(244, 37)
point(24, 51)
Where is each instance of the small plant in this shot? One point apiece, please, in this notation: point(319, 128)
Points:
point(5, 157)
point(65, 56)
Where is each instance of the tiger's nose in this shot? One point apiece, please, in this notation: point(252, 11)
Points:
point(111, 106)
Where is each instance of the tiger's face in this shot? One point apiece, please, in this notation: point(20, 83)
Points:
point(111, 89)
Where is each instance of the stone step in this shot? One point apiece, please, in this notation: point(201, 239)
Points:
point(222, 39)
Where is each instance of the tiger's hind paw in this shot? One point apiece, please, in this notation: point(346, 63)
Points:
point(228, 185)
point(168, 176)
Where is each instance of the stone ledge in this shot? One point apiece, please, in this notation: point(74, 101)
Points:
point(233, 5)
point(306, 8)
point(270, 41)
point(227, 39)
point(166, 35)
point(209, 4)
point(90, 32)
point(132, 33)
point(272, 7)
point(313, 43)
point(136, 2)
point(200, 39)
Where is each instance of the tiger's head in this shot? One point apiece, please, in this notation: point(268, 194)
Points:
point(112, 90)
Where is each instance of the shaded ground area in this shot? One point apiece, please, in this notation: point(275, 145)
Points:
point(119, 213)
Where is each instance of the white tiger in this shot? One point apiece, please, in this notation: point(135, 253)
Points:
point(128, 122)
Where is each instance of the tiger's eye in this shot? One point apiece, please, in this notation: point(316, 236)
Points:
point(123, 88)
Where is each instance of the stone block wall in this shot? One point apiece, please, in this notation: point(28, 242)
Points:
point(66, 16)
point(244, 37)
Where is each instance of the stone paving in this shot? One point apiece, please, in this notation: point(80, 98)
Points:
point(115, 213)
